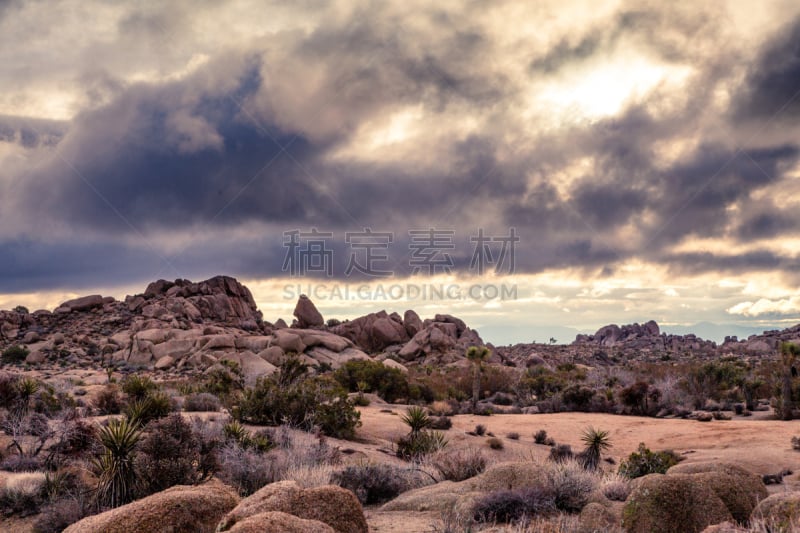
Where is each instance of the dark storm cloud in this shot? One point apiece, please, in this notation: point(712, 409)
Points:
point(248, 138)
point(30, 132)
point(772, 86)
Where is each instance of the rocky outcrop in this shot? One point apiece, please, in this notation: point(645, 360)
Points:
point(445, 338)
point(374, 332)
point(767, 343)
point(643, 337)
point(180, 508)
point(781, 511)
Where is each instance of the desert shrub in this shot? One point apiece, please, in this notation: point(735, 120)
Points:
point(418, 444)
point(14, 354)
point(22, 495)
point(9, 391)
point(361, 400)
point(373, 376)
point(441, 408)
point(154, 405)
point(571, 486)
point(560, 453)
point(643, 462)
point(796, 443)
point(716, 380)
point(137, 387)
point(21, 463)
point(513, 435)
point(577, 397)
point(480, 430)
point(261, 441)
point(372, 483)
point(60, 514)
point(513, 505)
point(75, 436)
point(641, 398)
point(168, 455)
point(201, 401)
point(458, 465)
point(441, 422)
point(108, 401)
point(597, 442)
point(502, 399)
point(222, 379)
point(305, 403)
point(616, 487)
point(540, 437)
point(248, 470)
point(495, 443)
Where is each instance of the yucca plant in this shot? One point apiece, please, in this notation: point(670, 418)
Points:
point(416, 418)
point(597, 442)
point(477, 355)
point(115, 466)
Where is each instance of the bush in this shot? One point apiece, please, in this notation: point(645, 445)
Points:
point(248, 470)
point(372, 483)
point(305, 403)
point(643, 462)
point(156, 404)
point(261, 441)
point(201, 401)
point(115, 467)
point(571, 486)
point(60, 514)
point(540, 437)
point(137, 387)
point(22, 495)
point(168, 455)
point(796, 443)
point(14, 354)
point(480, 430)
point(512, 435)
point(108, 401)
point(495, 443)
point(223, 379)
point(513, 505)
point(418, 444)
point(373, 376)
point(616, 488)
point(460, 464)
point(561, 453)
point(441, 422)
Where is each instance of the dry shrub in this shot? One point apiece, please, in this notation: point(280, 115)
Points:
point(373, 483)
point(616, 487)
point(458, 465)
point(442, 408)
point(202, 401)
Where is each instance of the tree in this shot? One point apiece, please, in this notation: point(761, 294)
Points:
point(789, 352)
point(477, 355)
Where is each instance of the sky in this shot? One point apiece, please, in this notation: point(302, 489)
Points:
point(536, 168)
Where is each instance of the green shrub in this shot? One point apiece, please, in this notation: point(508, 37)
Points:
point(388, 383)
point(115, 466)
point(14, 354)
point(308, 402)
point(223, 379)
point(137, 387)
point(156, 404)
point(643, 462)
point(418, 444)
point(441, 422)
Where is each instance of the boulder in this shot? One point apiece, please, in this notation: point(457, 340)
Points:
point(187, 509)
point(273, 355)
point(30, 337)
point(391, 363)
point(252, 366)
point(336, 360)
point(337, 507)
point(668, 503)
point(780, 510)
point(412, 322)
point(164, 363)
point(85, 303)
point(596, 517)
point(739, 489)
point(176, 348)
point(386, 332)
point(35, 357)
point(289, 341)
point(278, 522)
point(306, 313)
point(254, 343)
point(217, 342)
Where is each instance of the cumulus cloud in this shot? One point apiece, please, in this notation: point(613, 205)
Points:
point(765, 306)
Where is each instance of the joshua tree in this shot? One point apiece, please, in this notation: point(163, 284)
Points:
point(597, 442)
point(477, 355)
point(789, 352)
